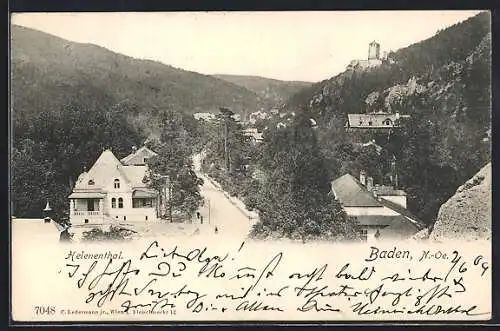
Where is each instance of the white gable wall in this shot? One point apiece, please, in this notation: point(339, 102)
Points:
point(399, 199)
point(104, 172)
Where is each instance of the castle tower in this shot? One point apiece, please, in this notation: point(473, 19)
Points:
point(374, 51)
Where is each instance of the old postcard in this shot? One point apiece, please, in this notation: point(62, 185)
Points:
point(251, 166)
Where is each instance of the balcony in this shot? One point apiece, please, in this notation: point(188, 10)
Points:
point(86, 216)
point(85, 213)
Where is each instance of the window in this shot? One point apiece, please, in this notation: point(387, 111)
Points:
point(136, 203)
point(145, 160)
point(90, 205)
point(91, 182)
point(120, 203)
point(370, 123)
point(388, 122)
point(142, 203)
point(117, 183)
point(146, 218)
point(113, 203)
point(363, 233)
point(124, 218)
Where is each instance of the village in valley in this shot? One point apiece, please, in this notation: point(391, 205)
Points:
point(238, 173)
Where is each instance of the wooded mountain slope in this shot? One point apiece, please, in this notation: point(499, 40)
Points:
point(444, 83)
point(49, 72)
point(275, 92)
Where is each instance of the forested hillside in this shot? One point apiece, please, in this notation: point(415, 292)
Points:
point(70, 101)
point(48, 72)
point(274, 92)
point(444, 83)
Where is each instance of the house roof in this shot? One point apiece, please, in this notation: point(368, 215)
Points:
point(349, 191)
point(400, 228)
point(135, 174)
point(144, 193)
point(394, 226)
point(253, 132)
point(403, 211)
point(388, 190)
point(373, 120)
point(137, 157)
point(85, 195)
point(105, 169)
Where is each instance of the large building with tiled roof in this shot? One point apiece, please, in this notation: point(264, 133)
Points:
point(113, 190)
point(380, 210)
point(380, 121)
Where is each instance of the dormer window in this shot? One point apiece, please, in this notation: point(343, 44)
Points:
point(91, 182)
point(388, 122)
point(116, 183)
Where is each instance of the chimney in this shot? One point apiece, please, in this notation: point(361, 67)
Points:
point(362, 177)
point(369, 184)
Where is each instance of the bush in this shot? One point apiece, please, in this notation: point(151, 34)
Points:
point(114, 233)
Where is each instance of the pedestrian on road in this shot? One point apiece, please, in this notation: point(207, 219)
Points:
point(198, 215)
point(201, 219)
point(216, 230)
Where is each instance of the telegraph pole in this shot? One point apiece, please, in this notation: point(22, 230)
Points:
point(226, 115)
point(226, 150)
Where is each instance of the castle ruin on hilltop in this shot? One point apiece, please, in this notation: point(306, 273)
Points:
point(374, 58)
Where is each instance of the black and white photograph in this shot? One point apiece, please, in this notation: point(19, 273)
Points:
point(225, 166)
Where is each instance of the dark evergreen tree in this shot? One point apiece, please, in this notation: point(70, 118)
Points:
point(296, 201)
point(171, 172)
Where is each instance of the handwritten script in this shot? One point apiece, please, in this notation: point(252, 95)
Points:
point(387, 283)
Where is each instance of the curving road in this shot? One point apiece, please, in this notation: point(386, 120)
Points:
point(221, 211)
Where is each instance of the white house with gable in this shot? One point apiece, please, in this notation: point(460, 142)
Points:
point(113, 190)
point(380, 210)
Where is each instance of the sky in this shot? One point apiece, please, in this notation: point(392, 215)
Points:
point(302, 46)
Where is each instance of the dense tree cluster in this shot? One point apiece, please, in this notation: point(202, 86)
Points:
point(53, 148)
point(296, 200)
point(172, 168)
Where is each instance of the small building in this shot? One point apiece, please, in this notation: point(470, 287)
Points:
point(253, 134)
point(204, 116)
point(257, 116)
point(138, 157)
point(114, 190)
point(380, 121)
point(380, 210)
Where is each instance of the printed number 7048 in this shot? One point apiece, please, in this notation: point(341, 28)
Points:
point(45, 310)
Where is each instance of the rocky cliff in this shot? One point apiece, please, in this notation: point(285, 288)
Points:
point(467, 214)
